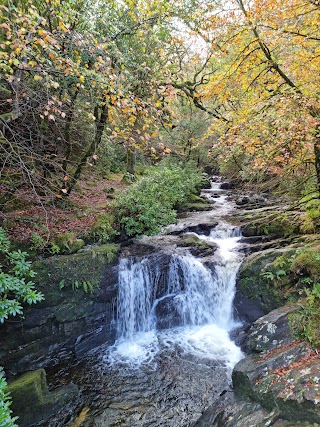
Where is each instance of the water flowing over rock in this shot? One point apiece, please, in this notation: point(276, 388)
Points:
point(173, 317)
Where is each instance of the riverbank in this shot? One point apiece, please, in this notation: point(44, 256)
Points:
point(191, 383)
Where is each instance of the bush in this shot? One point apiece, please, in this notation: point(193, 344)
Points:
point(5, 412)
point(103, 229)
point(149, 203)
point(306, 321)
point(16, 287)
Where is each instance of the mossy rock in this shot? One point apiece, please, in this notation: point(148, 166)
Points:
point(198, 246)
point(31, 400)
point(195, 207)
point(265, 223)
point(57, 274)
point(254, 285)
point(307, 263)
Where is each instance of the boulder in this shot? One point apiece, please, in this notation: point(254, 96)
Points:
point(271, 331)
point(31, 400)
point(282, 374)
point(255, 286)
point(79, 290)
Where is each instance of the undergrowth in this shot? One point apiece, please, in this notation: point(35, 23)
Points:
point(296, 277)
point(150, 203)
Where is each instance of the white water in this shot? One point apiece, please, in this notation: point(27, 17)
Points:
point(200, 301)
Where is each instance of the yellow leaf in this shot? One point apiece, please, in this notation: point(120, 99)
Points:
point(37, 77)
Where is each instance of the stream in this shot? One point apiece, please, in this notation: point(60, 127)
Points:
point(173, 355)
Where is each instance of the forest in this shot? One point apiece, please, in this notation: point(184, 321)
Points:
point(112, 114)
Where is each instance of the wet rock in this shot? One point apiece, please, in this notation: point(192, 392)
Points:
point(286, 378)
point(31, 400)
point(228, 185)
point(271, 331)
point(200, 228)
point(51, 329)
point(228, 411)
point(195, 207)
point(243, 200)
point(167, 314)
point(197, 246)
point(254, 285)
point(247, 310)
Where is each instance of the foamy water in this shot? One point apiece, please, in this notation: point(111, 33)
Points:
point(200, 299)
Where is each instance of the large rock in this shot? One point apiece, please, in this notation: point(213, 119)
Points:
point(254, 285)
point(271, 331)
point(31, 400)
point(285, 376)
point(75, 317)
point(230, 411)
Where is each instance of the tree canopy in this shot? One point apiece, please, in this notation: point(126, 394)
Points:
point(238, 81)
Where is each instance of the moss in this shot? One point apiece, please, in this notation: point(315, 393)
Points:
point(31, 400)
point(194, 198)
point(30, 389)
point(307, 263)
point(62, 271)
point(285, 225)
point(253, 282)
point(197, 246)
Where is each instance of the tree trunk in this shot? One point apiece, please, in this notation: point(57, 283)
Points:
point(131, 160)
point(100, 125)
point(317, 155)
point(67, 133)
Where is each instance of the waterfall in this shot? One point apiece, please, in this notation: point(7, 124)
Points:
point(175, 301)
point(197, 295)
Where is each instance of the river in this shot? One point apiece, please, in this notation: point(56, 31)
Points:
point(173, 355)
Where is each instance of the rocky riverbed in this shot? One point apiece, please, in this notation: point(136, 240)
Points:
point(275, 384)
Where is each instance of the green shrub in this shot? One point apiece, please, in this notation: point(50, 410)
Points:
point(6, 420)
point(150, 203)
point(103, 229)
point(16, 287)
point(66, 243)
point(306, 321)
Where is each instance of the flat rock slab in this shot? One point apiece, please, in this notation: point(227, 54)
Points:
point(284, 375)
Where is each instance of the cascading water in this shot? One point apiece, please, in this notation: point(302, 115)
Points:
point(173, 355)
point(195, 299)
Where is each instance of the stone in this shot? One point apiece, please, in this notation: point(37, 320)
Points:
point(271, 331)
point(285, 378)
point(256, 287)
point(229, 411)
point(50, 330)
point(31, 400)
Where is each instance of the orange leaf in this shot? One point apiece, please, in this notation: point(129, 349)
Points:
point(65, 178)
point(58, 196)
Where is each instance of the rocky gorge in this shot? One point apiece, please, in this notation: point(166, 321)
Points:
point(65, 340)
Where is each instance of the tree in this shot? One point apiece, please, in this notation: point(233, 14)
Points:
point(67, 78)
point(264, 106)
